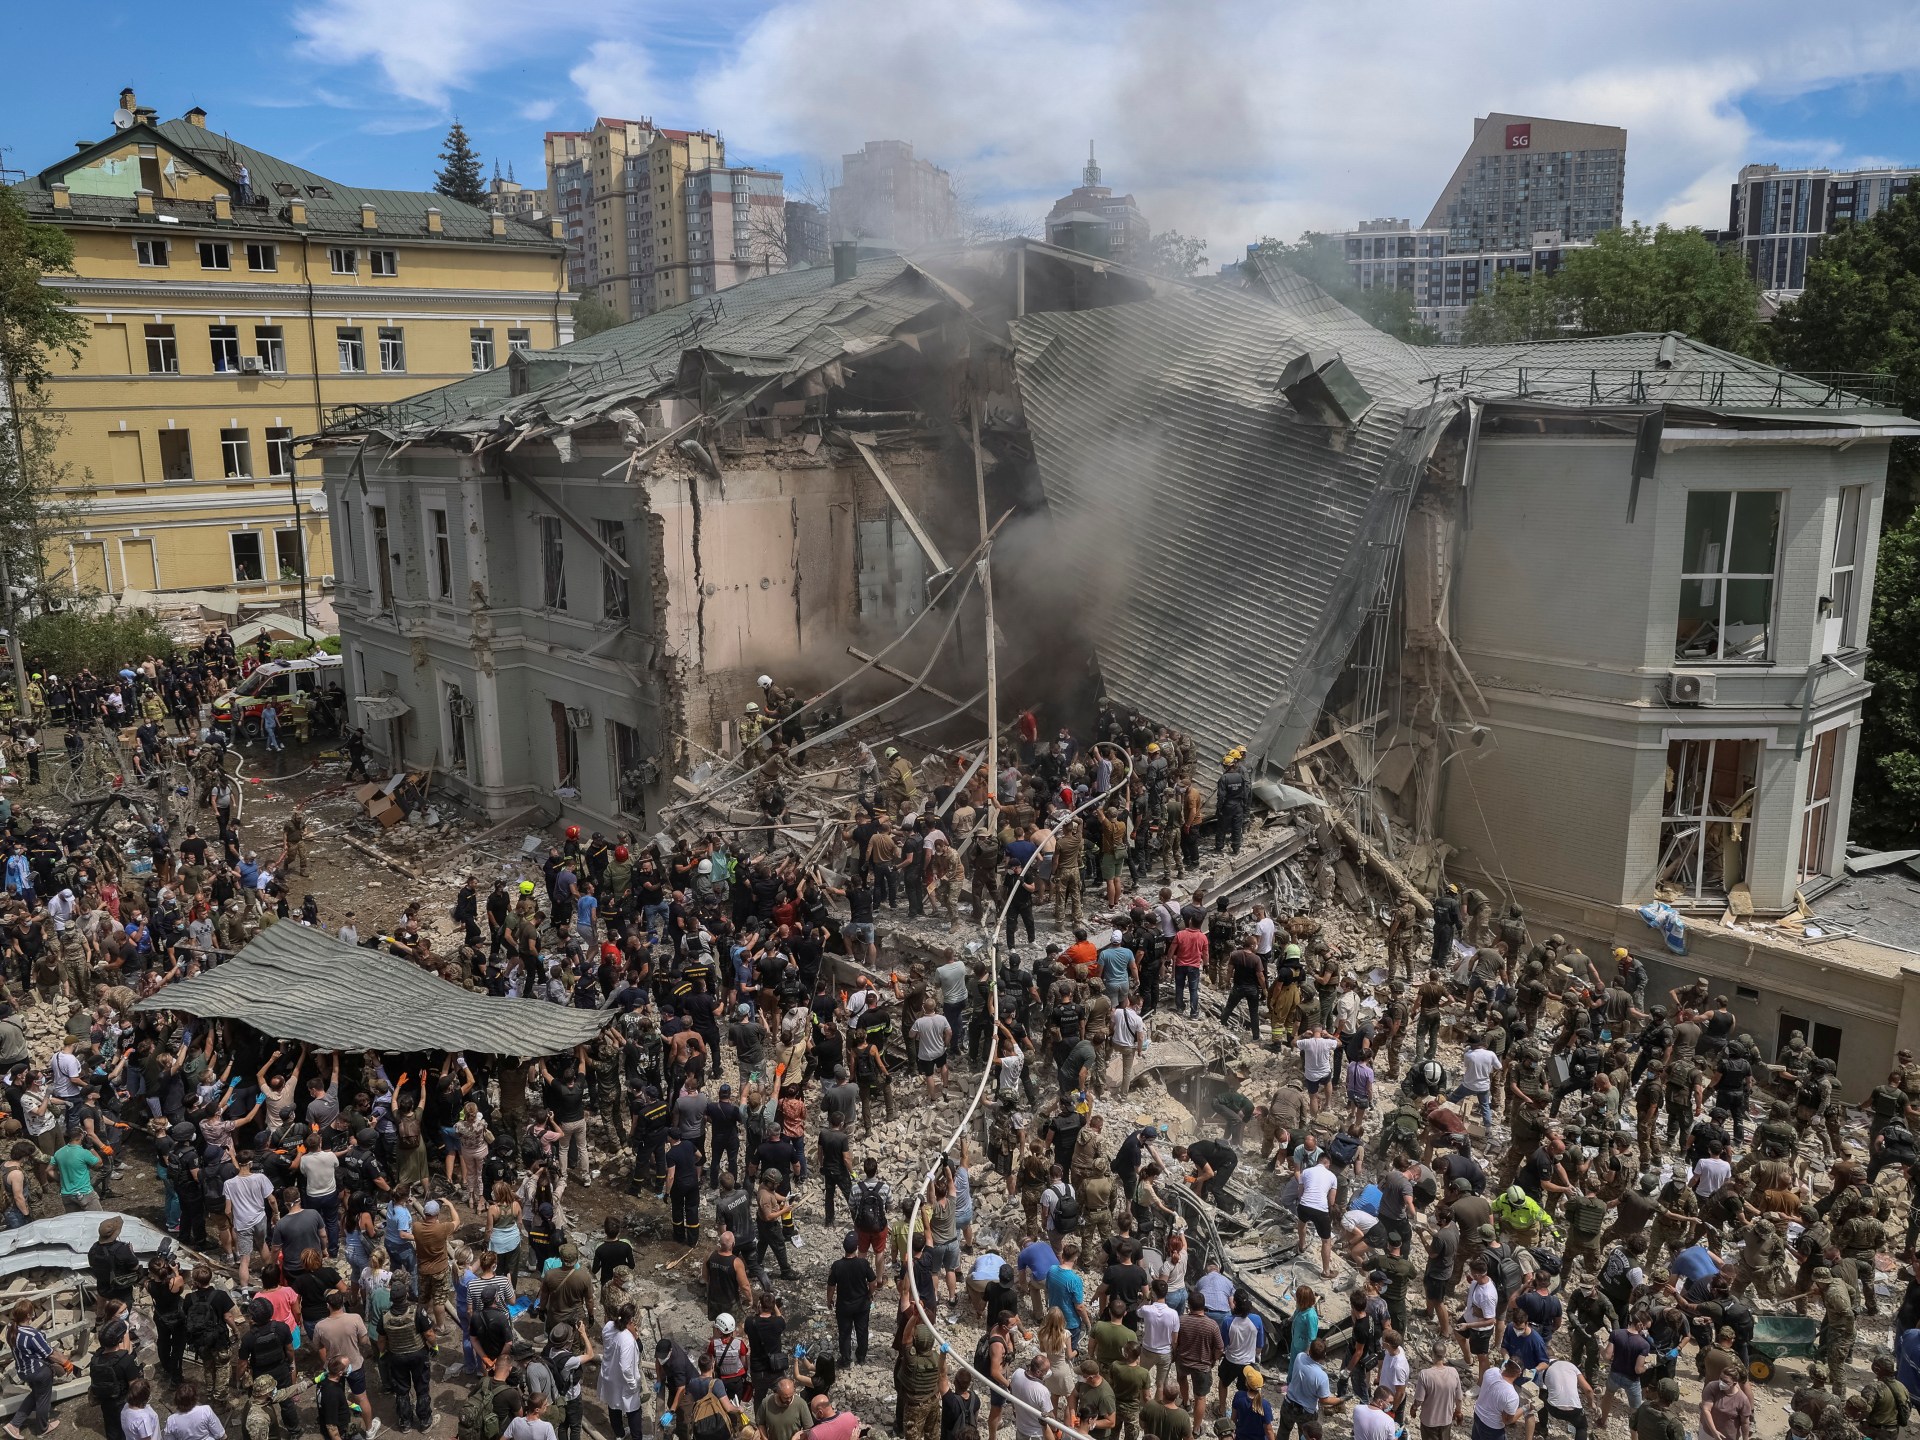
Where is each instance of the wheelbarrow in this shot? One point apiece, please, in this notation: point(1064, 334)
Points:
point(1776, 1337)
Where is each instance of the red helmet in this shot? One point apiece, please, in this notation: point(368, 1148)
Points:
point(619, 852)
point(573, 832)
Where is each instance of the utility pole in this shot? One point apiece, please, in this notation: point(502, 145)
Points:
point(299, 539)
point(15, 646)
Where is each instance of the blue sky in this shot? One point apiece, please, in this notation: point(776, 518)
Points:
point(1226, 118)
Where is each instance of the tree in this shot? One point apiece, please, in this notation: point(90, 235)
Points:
point(1322, 259)
point(460, 177)
point(36, 331)
point(1171, 253)
point(1861, 311)
point(591, 315)
point(1631, 281)
point(91, 634)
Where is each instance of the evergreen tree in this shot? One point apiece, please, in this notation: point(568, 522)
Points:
point(460, 177)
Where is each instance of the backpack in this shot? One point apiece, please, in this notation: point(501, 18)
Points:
point(1342, 1148)
point(983, 1353)
point(407, 1128)
point(869, 1208)
point(479, 1418)
point(1511, 1279)
point(1613, 1278)
point(206, 1327)
point(1066, 1211)
point(710, 1418)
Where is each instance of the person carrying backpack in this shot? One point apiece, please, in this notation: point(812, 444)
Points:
point(210, 1322)
point(406, 1335)
point(872, 1202)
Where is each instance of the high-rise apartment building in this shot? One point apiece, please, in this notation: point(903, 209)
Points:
point(886, 196)
point(619, 191)
point(1524, 174)
point(1527, 191)
point(806, 234)
point(510, 197)
point(234, 301)
point(1779, 216)
point(736, 227)
point(1092, 218)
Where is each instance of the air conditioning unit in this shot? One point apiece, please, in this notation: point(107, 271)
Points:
point(1690, 687)
point(579, 718)
point(251, 365)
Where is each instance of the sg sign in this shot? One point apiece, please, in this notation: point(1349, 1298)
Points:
point(1519, 137)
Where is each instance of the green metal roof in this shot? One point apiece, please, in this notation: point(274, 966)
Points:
point(332, 208)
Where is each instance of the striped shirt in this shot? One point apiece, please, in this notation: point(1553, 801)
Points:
point(30, 1351)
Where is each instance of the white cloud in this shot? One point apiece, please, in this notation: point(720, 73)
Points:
point(538, 111)
point(616, 79)
point(1233, 118)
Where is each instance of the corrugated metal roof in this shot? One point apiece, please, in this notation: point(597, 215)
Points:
point(297, 983)
point(769, 326)
point(1223, 538)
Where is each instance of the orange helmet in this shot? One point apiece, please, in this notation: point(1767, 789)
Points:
point(573, 832)
point(619, 852)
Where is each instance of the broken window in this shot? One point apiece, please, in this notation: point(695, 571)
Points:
point(566, 747)
point(270, 344)
point(1842, 573)
point(382, 556)
point(393, 348)
point(442, 556)
point(629, 772)
point(890, 569)
point(456, 729)
point(553, 571)
point(353, 349)
point(216, 255)
point(1706, 821)
point(383, 262)
point(248, 566)
point(163, 356)
point(614, 595)
point(480, 348)
point(290, 556)
point(519, 342)
point(1731, 543)
point(343, 260)
point(225, 343)
point(236, 455)
point(280, 451)
point(1818, 820)
point(176, 455)
point(151, 252)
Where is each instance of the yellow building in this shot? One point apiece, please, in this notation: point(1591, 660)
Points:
point(619, 193)
point(235, 301)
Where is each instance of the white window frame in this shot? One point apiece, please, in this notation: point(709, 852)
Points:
point(616, 590)
point(263, 256)
point(223, 343)
point(519, 342)
point(393, 350)
point(215, 254)
point(1842, 594)
point(168, 350)
point(1674, 823)
point(351, 341)
point(383, 263)
point(236, 454)
point(1821, 811)
point(300, 569)
point(270, 346)
point(233, 556)
point(154, 254)
point(1722, 578)
point(480, 347)
point(552, 541)
point(343, 260)
point(280, 458)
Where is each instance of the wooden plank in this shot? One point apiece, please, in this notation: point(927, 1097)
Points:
point(924, 540)
point(1339, 735)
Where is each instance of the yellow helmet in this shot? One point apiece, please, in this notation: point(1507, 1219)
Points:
point(1153, 747)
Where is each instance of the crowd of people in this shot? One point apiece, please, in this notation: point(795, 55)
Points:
point(1527, 1188)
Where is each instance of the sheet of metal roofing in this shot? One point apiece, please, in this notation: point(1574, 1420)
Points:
point(297, 983)
point(1222, 539)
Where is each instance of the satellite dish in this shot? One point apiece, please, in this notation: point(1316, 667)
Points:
point(122, 118)
point(318, 504)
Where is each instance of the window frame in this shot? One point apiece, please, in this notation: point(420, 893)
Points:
point(379, 538)
point(616, 588)
point(343, 260)
point(279, 449)
point(519, 341)
point(440, 536)
point(383, 264)
point(392, 340)
point(183, 441)
point(223, 343)
point(1675, 823)
point(266, 251)
point(218, 250)
point(236, 453)
point(280, 534)
point(168, 353)
point(1840, 599)
point(1820, 812)
point(145, 250)
point(553, 562)
point(270, 348)
point(479, 343)
point(351, 339)
point(233, 556)
point(1725, 579)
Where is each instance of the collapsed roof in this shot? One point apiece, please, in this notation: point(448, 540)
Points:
point(1227, 470)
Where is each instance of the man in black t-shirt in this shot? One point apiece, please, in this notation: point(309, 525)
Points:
point(851, 1282)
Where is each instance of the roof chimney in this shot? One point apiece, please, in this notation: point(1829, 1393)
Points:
point(223, 207)
point(197, 116)
point(368, 219)
point(143, 202)
point(499, 223)
point(846, 260)
point(126, 98)
point(433, 219)
point(62, 196)
point(296, 212)
point(556, 229)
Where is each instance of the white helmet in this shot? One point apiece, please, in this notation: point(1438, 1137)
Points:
point(724, 1324)
point(764, 681)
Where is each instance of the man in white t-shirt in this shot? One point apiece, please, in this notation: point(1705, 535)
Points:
point(1029, 1386)
point(1565, 1391)
point(1129, 1038)
point(1478, 1319)
point(1498, 1404)
point(1316, 1049)
point(249, 1199)
point(1710, 1171)
point(1372, 1421)
point(932, 1035)
point(1476, 1078)
point(1263, 932)
point(1318, 1184)
point(1395, 1370)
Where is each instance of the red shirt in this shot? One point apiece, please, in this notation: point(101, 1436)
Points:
point(1189, 948)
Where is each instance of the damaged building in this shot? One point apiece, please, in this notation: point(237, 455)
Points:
point(1581, 623)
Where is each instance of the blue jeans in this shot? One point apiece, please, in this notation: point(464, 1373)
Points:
point(1186, 981)
point(1460, 1092)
